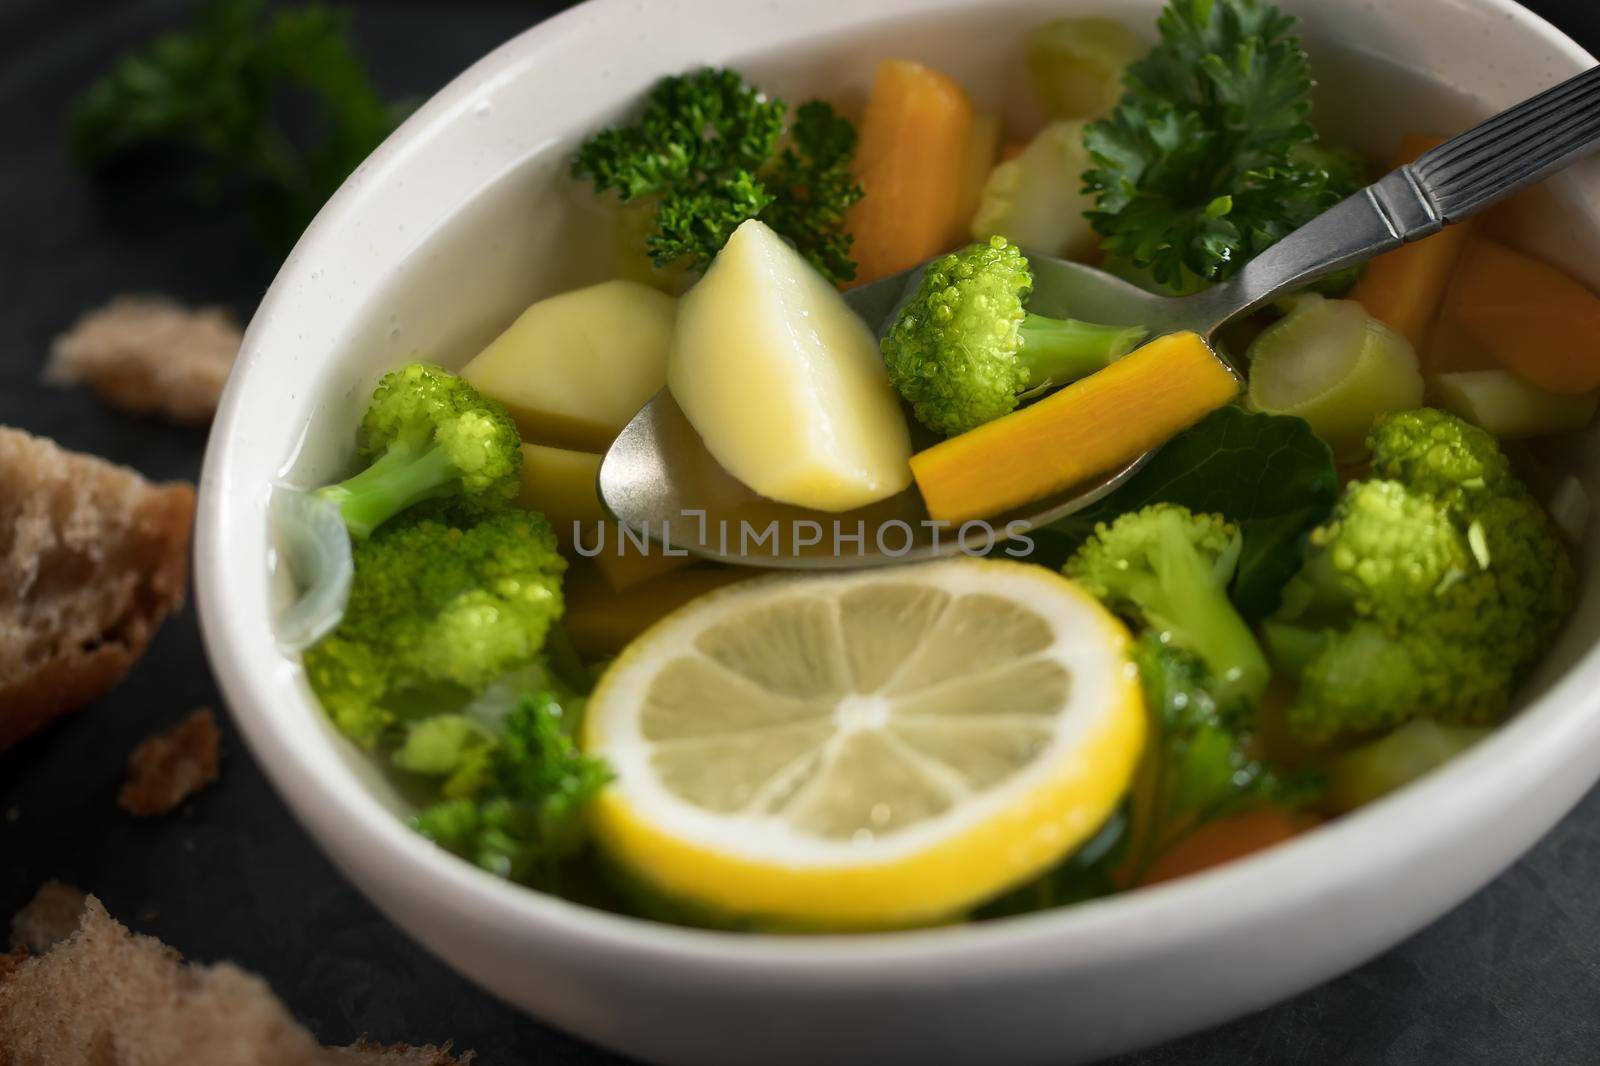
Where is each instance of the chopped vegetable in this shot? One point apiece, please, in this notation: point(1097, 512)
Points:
point(1510, 407)
point(437, 604)
point(563, 486)
point(983, 147)
point(963, 350)
point(1198, 768)
point(1380, 767)
point(315, 547)
point(783, 381)
point(1036, 200)
point(914, 139)
point(1077, 64)
point(1430, 592)
point(526, 794)
point(1090, 427)
point(1201, 167)
point(428, 434)
point(1536, 320)
point(1336, 366)
point(1169, 570)
point(1228, 838)
point(602, 620)
point(1268, 474)
point(215, 91)
point(560, 484)
point(1404, 288)
point(574, 368)
point(705, 153)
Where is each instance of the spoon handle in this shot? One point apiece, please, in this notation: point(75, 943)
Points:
point(1461, 177)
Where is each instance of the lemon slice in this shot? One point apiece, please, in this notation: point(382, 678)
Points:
point(875, 749)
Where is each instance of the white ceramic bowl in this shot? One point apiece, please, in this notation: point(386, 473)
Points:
point(452, 227)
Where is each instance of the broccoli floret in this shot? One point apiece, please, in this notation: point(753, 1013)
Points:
point(525, 815)
point(964, 349)
point(428, 434)
point(1438, 454)
point(1430, 591)
point(437, 603)
point(1200, 765)
point(1169, 569)
point(1384, 549)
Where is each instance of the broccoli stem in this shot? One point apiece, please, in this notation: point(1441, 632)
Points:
point(1210, 626)
point(398, 479)
point(1058, 350)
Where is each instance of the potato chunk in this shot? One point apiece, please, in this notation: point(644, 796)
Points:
point(784, 382)
point(572, 369)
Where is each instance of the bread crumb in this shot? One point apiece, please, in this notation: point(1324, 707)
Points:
point(167, 768)
point(50, 918)
point(105, 995)
point(149, 355)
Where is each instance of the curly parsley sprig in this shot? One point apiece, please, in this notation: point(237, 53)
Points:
point(1210, 157)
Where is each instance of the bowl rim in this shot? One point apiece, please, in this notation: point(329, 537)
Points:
point(1382, 836)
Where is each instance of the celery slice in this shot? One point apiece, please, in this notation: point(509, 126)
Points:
point(1077, 64)
point(1336, 366)
point(1509, 407)
point(1376, 769)
point(1036, 201)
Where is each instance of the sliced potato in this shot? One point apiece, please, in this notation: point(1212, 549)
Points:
point(784, 382)
point(574, 368)
point(561, 484)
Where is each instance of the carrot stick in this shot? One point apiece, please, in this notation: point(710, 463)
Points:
point(1090, 427)
point(910, 162)
point(1404, 288)
point(1535, 320)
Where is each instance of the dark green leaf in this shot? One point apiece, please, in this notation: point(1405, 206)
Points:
point(1268, 473)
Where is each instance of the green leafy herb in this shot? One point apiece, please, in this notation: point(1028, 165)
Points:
point(526, 813)
point(706, 152)
point(1203, 164)
point(219, 88)
point(1267, 473)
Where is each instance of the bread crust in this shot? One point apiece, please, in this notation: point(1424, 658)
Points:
point(92, 559)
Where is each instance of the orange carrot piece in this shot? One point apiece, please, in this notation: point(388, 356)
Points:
point(1537, 321)
point(910, 162)
point(1404, 288)
point(1227, 839)
point(1090, 427)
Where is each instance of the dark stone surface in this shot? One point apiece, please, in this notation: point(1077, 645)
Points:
point(1512, 976)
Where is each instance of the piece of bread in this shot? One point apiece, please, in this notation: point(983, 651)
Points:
point(108, 996)
point(92, 558)
point(167, 768)
point(50, 918)
point(149, 355)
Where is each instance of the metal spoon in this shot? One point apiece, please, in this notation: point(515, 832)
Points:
point(658, 478)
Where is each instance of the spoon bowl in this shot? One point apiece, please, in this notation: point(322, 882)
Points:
point(659, 479)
